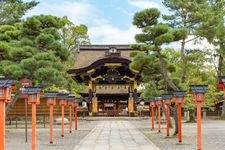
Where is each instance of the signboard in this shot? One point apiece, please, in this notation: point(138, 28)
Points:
point(24, 83)
point(109, 105)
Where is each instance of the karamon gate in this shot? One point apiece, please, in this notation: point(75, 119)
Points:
point(111, 87)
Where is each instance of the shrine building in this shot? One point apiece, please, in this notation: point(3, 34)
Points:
point(110, 85)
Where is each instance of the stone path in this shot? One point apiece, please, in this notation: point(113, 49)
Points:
point(115, 135)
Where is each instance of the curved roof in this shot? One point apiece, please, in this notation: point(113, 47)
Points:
point(99, 62)
point(103, 64)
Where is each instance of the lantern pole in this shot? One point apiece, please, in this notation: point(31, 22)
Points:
point(63, 102)
point(51, 123)
point(168, 120)
point(62, 123)
point(2, 124)
point(199, 130)
point(159, 119)
point(152, 105)
point(76, 117)
point(71, 99)
point(51, 102)
point(167, 102)
point(179, 100)
point(179, 123)
point(33, 99)
point(33, 126)
point(159, 103)
point(70, 107)
point(25, 119)
point(198, 97)
point(5, 97)
point(152, 108)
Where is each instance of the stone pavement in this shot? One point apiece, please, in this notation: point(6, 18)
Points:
point(115, 135)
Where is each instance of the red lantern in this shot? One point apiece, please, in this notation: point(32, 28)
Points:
point(33, 99)
point(63, 102)
point(158, 102)
point(5, 96)
point(152, 105)
point(198, 92)
point(179, 100)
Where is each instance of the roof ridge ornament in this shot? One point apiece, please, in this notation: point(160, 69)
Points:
point(112, 51)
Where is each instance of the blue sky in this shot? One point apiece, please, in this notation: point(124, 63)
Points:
point(108, 21)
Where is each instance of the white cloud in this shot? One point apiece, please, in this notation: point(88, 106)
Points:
point(108, 34)
point(100, 30)
point(78, 12)
point(143, 4)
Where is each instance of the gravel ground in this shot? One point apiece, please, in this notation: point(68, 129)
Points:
point(213, 135)
point(15, 138)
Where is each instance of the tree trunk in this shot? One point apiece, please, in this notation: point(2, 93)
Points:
point(164, 70)
point(183, 73)
point(174, 111)
point(220, 65)
point(170, 83)
point(223, 110)
point(164, 112)
point(192, 115)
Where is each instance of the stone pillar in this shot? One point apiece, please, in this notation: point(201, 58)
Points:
point(94, 104)
point(131, 104)
point(204, 113)
point(188, 115)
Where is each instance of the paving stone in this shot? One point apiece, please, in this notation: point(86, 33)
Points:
point(118, 135)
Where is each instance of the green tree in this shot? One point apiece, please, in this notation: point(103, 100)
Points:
point(153, 36)
point(185, 15)
point(199, 71)
point(11, 11)
point(213, 29)
point(33, 49)
point(72, 36)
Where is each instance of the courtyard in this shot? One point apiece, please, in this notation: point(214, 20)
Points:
point(119, 133)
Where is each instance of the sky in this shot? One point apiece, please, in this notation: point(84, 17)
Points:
point(108, 21)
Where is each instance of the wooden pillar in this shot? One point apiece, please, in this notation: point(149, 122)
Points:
point(94, 104)
point(90, 95)
point(131, 104)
